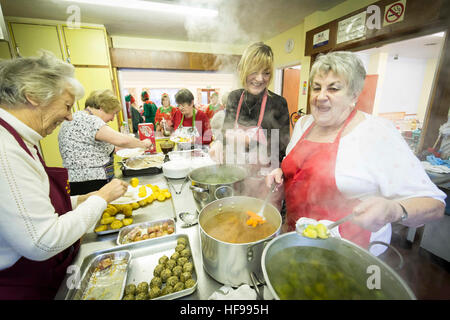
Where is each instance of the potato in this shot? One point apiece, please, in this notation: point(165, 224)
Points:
point(101, 228)
point(135, 205)
point(116, 224)
point(127, 221)
point(107, 220)
point(127, 211)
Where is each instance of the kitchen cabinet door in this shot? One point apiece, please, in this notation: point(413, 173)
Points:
point(94, 79)
point(4, 50)
point(30, 38)
point(86, 46)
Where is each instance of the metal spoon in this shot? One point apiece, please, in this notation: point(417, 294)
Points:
point(189, 219)
point(330, 226)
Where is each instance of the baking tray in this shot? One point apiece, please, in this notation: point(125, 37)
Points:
point(154, 211)
point(128, 172)
point(125, 230)
point(99, 282)
point(145, 256)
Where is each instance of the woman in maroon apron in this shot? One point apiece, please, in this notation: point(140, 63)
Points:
point(309, 169)
point(36, 95)
point(28, 279)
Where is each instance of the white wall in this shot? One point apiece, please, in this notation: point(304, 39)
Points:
point(402, 86)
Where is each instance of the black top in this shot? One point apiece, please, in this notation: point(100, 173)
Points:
point(276, 115)
point(136, 118)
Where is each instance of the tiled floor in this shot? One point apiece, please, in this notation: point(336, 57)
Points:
point(427, 275)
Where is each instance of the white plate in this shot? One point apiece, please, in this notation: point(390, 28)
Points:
point(131, 195)
point(129, 153)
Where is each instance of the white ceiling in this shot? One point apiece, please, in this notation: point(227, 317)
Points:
point(238, 22)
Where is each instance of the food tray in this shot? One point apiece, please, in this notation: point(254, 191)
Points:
point(154, 211)
point(125, 230)
point(140, 172)
point(96, 284)
point(145, 258)
point(157, 161)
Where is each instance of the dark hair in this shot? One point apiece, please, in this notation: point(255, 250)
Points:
point(184, 96)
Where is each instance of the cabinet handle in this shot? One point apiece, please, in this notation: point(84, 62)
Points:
point(18, 52)
point(68, 55)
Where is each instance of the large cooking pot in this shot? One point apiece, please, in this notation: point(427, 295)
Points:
point(216, 182)
point(366, 268)
point(232, 263)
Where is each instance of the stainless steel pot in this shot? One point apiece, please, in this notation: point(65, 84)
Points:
point(232, 263)
point(216, 182)
point(392, 286)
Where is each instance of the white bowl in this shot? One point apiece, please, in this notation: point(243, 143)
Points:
point(176, 169)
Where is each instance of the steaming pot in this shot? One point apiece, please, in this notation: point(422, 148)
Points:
point(232, 263)
point(391, 284)
point(215, 182)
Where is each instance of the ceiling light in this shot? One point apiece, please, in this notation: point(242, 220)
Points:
point(151, 6)
point(439, 34)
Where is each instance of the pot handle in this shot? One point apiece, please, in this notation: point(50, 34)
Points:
point(198, 189)
point(400, 265)
point(259, 295)
point(224, 192)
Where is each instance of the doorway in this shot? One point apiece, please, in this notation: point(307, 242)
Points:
point(290, 80)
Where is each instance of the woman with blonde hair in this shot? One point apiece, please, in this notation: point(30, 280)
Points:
point(87, 143)
point(40, 222)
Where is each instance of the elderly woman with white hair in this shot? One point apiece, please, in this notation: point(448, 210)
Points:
point(40, 224)
point(342, 161)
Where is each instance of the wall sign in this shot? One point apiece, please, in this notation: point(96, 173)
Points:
point(352, 28)
point(321, 38)
point(395, 12)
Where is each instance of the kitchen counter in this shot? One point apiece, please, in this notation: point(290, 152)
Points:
point(184, 201)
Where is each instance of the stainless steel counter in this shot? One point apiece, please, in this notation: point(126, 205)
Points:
point(184, 201)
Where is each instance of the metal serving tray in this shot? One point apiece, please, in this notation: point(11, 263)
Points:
point(145, 258)
point(106, 284)
point(125, 230)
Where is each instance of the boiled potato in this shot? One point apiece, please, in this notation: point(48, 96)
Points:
point(116, 224)
point(107, 220)
point(101, 228)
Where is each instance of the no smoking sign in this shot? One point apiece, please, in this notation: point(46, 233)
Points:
point(394, 12)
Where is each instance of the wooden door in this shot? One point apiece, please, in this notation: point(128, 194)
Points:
point(28, 39)
point(291, 86)
point(367, 97)
point(5, 53)
point(86, 46)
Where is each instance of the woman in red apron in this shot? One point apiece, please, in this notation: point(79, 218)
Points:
point(309, 169)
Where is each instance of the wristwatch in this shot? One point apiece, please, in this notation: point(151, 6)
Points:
point(405, 213)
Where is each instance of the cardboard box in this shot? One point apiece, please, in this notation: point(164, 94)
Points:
point(146, 131)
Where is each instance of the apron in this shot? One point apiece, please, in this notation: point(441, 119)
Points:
point(28, 279)
point(310, 186)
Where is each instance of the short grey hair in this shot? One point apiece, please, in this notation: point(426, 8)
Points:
point(43, 78)
point(344, 64)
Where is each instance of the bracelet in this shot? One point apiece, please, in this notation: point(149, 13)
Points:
point(405, 213)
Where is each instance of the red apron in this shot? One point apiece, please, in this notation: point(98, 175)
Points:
point(310, 186)
point(256, 133)
point(28, 279)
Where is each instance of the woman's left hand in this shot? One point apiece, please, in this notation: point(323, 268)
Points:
point(374, 213)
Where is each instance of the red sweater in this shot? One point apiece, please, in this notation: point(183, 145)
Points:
point(201, 123)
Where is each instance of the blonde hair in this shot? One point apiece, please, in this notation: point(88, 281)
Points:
point(103, 99)
point(258, 56)
point(43, 79)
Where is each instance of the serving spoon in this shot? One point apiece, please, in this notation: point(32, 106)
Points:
point(259, 218)
point(329, 227)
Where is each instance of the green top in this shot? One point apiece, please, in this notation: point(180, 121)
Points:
point(149, 112)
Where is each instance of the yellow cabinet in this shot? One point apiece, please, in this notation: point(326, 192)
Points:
point(4, 50)
point(28, 39)
point(86, 46)
point(94, 79)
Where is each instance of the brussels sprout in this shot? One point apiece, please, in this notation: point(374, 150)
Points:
point(188, 267)
point(167, 290)
point(178, 286)
point(163, 260)
point(158, 269)
point(189, 283)
point(175, 255)
point(182, 241)
point(156, 282)
point(180, 248)
point(166, 274)
point(185, 253)
point(129, 297)
point(185, 276)
point(176, 271)
point(181, 261)
point(142, 296)
point(171, 263)
point(142, 287)
point(154, 292)
point(172, 281)
point(130, 289)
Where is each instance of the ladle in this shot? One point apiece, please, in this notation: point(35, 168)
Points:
point(261, 211)
point(330, 226)
point(189, 219)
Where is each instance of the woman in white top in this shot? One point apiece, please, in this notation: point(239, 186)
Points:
point(341, 160)
point(40, 223)
point(87, 143)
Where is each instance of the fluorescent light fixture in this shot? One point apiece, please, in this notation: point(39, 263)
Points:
point(151, 6)
point(439, 34)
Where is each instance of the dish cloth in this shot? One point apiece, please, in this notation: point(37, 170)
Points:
point(435, 168)
point(438, 161)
